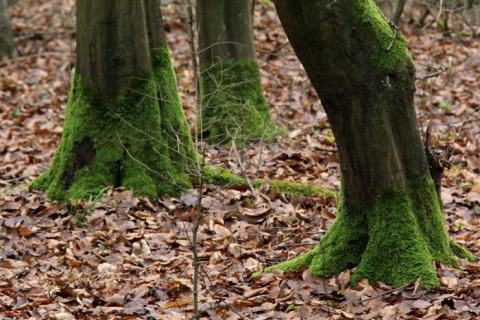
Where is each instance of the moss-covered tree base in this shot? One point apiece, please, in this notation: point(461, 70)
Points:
point(233, 104)
point(138, 140)
point(395, 240)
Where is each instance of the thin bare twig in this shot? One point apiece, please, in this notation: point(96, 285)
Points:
point(196, 261)
point(432, 75)
point(324, 149)
point(398, 12)
point(274, 50)
point(200, 167)
point(383, 293)
point(218, 296)
point(395, 29)
point(244, 172)
point(191, 36)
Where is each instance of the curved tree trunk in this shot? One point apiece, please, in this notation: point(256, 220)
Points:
point(7, 46)
point(233, 104)
point(389, 222)
point(124, 124)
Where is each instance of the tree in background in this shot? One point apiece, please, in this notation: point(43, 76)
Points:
point(232, 100)
point(124, 124)
point(7, 46)
point(389, 222)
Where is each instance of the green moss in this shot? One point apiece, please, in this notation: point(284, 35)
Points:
point(291, 188)
point(388, 61)
point(233, 104)
point(395, 240)
point(222, 177)
point(429, 216)
point(397, 252)
point(175, 128)
point(341, 248)
point(139, 140)
point(461, 252)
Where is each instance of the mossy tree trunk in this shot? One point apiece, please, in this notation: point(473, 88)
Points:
point(389, 222)
point(124, 124)
point(232, 99)
point(7, 45)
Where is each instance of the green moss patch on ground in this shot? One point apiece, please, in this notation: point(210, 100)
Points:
point(221, 177)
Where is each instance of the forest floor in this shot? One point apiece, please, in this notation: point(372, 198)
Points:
point(120, 257)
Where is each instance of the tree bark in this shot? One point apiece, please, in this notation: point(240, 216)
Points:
point(124, 124)
point(389, 222)
point(7, 45)
point(156, 34)
point(225, 30)
point(233, 104)
point(112, 44)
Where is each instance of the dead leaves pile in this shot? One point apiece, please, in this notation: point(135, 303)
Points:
point(119, 257)
point(34, 88)
point(124, 256)
point(116, 256)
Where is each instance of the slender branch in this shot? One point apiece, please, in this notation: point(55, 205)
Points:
point(217, 296)
point(200, 168)
point(398, 12)
point(383, 293)
point(439, 11)
point(395, 29)
point(244, 172)
point(196, 261)
point(432, 75)
point(324, 149)
point(274, 50)
point(191, 36)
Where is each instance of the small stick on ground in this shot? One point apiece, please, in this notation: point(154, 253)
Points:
point(383, 293)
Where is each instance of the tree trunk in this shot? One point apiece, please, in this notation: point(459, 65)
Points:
point(233, 104)
point(7, 46)
point(124, 124)
point(389, 222)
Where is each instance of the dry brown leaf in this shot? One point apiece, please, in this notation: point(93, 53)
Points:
point(24, 231)
point(222, 231)
point(177, 303)
point(254, 292)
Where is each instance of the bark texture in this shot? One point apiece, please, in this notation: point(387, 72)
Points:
point(233, 104)
point(7, 45)
point(390, 221)
point(124, 124)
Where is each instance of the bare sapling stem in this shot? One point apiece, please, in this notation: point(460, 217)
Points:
point(196, 224)
point(200, 166)
point(398, 12)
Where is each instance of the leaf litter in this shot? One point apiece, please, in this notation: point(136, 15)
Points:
point(121, 257)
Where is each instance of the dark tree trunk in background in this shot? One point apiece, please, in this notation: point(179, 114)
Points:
point(124, 124)
point(233, 104)
point(389, 222)
point(225, 30)
point(7, 45)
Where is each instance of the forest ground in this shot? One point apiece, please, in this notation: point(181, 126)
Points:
point(120, 257)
